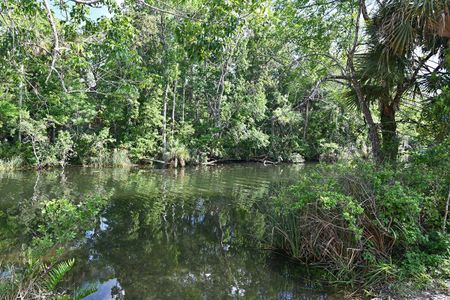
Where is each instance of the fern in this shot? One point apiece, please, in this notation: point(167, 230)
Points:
point(57, 273)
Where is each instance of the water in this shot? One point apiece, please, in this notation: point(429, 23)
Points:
point(173, 234)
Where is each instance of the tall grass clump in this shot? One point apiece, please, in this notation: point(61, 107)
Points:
point(120, 158)
point(10, 164)
point(106, 158)
point(367, 222)
point(178, 154)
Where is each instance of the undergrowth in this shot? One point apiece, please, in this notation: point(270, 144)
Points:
point(46, 228)
point(368, 225)
point(10, 164)
point(39, 280)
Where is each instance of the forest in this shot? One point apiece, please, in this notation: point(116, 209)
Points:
point(357, 88)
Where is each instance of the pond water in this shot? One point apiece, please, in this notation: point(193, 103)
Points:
point(173, 234)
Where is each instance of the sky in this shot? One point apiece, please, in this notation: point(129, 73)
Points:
point(95, 12)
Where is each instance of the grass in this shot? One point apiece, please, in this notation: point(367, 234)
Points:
point(119, 158)
point(10, 164)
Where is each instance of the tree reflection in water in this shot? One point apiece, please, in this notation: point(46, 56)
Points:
point(186, 234)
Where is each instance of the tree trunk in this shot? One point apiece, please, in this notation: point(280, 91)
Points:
point(183, 101)
point(305, 127)
point(354, 81)
point(164, 129)
point(52, 133)
point(174, 103)
point(389, 132)
point(21, 85)
point(372, 127)
point(373, 132)
point(220, 91)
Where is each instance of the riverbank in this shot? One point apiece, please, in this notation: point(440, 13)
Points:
point(368, 225)
point(437, 291)
point(17, 164)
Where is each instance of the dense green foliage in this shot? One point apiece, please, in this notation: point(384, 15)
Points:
point(47, 228)
point(115, 83)
point(83, 81)
point(375, 224)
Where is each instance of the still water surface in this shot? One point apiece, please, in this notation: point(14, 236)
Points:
point(173, 234)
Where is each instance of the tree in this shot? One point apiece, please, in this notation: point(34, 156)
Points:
point(401, 39)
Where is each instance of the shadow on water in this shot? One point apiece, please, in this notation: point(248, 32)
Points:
point(174, 234)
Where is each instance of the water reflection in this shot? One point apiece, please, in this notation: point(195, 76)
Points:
point(168, 234)
point(108, 290)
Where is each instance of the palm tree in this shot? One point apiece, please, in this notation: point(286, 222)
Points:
point(401, 37)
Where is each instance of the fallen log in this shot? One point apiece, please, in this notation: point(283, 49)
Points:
point(268, 162)
point(264, 161)
point(156, 160)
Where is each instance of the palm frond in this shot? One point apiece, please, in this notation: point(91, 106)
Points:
point(403, 22)
point(350, 100)
point(57, 273)
point(402, 37)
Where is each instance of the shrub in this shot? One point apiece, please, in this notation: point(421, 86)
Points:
point(94, 150)
point(296, 158)
point(361, 219)
point(177, 154)
point(64, 148)
point(59, 221)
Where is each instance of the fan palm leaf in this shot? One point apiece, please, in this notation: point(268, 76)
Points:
point(404, 22)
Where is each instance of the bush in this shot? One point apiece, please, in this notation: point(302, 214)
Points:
point(64, 148)
point(296, 158)
point(94, 151)
point(46, 225)
point(177, 154)
point(362, 219)
point(60, 221)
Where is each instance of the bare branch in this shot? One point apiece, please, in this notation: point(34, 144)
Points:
point(56, 48)
point(165, 11)
point(86, 2)
point(55, 51)
point(364, 12)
